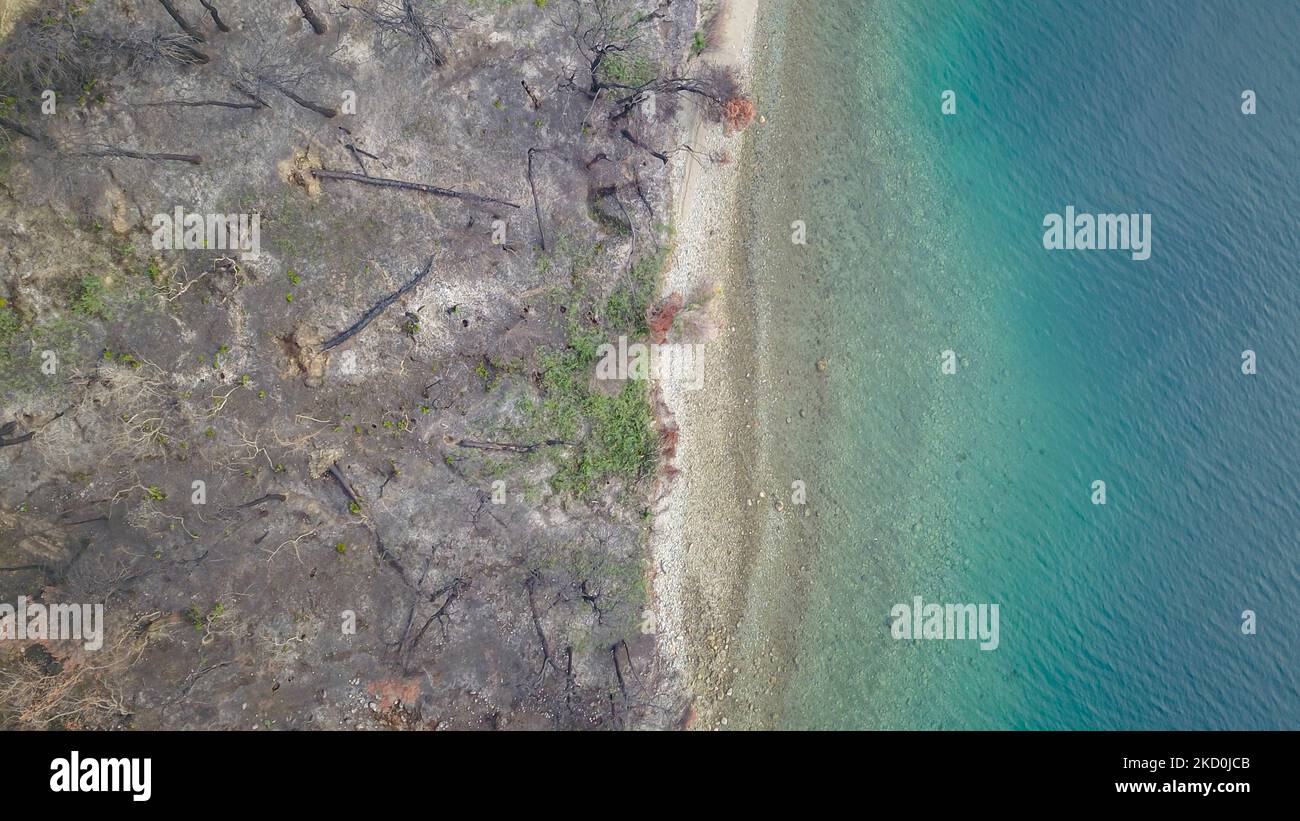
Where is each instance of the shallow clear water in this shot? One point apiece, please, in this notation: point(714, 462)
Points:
point(925, 234)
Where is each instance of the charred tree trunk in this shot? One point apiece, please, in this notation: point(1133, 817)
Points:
point(627, 135)
point(378, 309)
point(317, 22)
point(216, 17)
point(182, 22)
point(199, 103)
point(319, 108)
point(326, 174)
point(509, 447)
point(537, 207)
point(114, 151)
point(19, 128)
point(250, 94)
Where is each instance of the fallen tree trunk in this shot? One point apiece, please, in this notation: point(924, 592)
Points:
point(17, 440)
point(319, 108)
point(509, 447)
point(317, 23)
point(378, 309)
point(19, 128)
point(216, 17)
point(270, 497)
point(197, 103)
point(659, 155)
point(326, 174)
point(537, 208)
point(337, 475)
point(250, 94)
point(192, 159)
point(182, 22)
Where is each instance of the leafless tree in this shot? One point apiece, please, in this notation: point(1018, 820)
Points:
point(140, 48)
point(46, 55)
point(59, 53)
point(712, 87)
point(425, 27)
point(601, 30)
point(608, 34)
point(275, 69)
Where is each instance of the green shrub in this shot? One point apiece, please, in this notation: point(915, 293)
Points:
point(620, 440)
point(88, 297)
point(9, 323)
point(626, 69)
point(699, 42)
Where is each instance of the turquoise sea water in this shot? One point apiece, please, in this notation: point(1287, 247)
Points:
point(925, 234)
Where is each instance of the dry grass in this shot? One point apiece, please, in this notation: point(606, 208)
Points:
point(70, 688)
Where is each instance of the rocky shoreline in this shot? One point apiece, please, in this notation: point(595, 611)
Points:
point(703, 540)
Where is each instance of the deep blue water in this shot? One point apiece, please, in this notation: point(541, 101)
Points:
point(1075, 365)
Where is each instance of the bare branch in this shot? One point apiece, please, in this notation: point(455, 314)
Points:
point(323, 110)
point(216, 17)
point(537, 207)
point(199, 103)
point(117, 151)
point(326, 174)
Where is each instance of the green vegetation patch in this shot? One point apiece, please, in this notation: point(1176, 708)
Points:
point(626, 69)
point(620, 440)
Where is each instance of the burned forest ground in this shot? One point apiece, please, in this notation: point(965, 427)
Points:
point(366, 478)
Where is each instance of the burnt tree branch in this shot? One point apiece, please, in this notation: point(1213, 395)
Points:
point(216, 17)
point(378, 309)
point(317, 22)
point(115, 151)
point(182, 22)
point(326, 174)
point(659, 155)
point(508, 446)
point(319, 108)
point(19, 128)
point(198, 103)
point(537, 207)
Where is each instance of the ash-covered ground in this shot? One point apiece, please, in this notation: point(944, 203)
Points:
point(366, 478)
